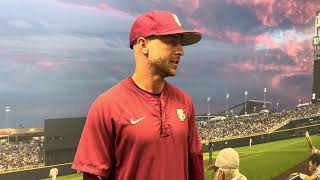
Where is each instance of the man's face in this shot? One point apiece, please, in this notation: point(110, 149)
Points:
point(164, 54)
point(312, 166)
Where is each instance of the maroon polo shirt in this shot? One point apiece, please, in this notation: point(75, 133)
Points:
point(131, 134)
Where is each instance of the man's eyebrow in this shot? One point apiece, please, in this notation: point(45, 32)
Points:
point(174, 37)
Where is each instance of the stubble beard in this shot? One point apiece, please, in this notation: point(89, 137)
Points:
point(160, 68)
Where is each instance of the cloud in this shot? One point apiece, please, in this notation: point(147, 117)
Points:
point(57, 56)
point(19, 23)
point(272, 13)
point(89, 5)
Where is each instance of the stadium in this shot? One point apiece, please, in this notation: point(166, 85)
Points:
point(271, 142)
point(278, 146)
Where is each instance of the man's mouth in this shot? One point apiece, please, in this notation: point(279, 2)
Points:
point(175, 62)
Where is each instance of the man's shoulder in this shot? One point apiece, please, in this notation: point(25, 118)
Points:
point(114, 91)
point(176, 91)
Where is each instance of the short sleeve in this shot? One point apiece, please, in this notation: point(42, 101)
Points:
point(95, 152)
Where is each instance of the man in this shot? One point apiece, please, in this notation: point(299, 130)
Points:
point(314, 168)
point(227, 165)
point(144, 128)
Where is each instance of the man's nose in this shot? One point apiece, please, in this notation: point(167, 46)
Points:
point(179, 50)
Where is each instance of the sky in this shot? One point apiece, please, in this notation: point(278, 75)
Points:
point(57, 56)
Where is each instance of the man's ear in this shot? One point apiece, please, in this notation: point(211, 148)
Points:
point(142, 44)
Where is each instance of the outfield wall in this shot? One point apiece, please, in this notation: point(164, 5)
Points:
point(37, 173)
point(260, 138)
point(61, 139)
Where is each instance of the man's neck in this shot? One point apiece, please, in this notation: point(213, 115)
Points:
point(152, 84)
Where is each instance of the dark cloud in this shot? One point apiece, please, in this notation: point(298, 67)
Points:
point(301, 82)
point(221, 15)
point(272, 57)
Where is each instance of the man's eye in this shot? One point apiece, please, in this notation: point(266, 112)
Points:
point(174, 42)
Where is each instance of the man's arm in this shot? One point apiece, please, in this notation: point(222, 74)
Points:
point(305, 177)
point(95, 153)
point(315, 150)
point(195, 157)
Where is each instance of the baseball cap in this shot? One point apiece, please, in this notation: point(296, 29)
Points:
point(228, 159)
point(160, 23)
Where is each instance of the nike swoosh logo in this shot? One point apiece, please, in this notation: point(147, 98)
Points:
point(136, 121)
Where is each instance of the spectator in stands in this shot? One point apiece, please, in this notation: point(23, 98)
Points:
point(20, 155)
point(228, 162)
point(314, 168)
point(254, 124)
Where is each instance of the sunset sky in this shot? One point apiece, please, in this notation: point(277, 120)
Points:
point(56, 56)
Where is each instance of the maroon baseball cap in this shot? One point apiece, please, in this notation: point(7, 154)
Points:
point(159, 23)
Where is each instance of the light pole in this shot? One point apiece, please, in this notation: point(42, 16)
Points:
point(299, 101)
point(254, 109)
point(313, 97)
point(264, 97)
point(6, 119)
point(227, 97)
point(232, 115)
point(208, 103)
point(277, 106)
point(21, 124)
point(245, 102)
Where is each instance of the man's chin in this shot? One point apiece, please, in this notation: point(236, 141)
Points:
point(171, 74)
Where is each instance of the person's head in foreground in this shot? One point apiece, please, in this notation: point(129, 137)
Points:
point(227, 164)
point(314, 168)
point(314, 162)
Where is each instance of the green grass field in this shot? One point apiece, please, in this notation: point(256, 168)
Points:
point(262, 161)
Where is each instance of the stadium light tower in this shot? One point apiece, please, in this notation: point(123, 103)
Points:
point(208, 103)
point(264, 97)
point(245, 101)
point(227, 97)
point(6, 119)
point(232, 115)
point(313, 98)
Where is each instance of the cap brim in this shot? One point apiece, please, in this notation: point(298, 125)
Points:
point(188, 37)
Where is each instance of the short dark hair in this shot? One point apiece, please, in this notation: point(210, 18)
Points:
point(315, 158)
point(151, 37)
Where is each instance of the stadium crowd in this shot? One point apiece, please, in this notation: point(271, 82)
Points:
point(254, 124)
point(20, 155)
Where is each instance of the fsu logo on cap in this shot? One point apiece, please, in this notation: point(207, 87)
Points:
point(176, 19)
point(181, 114)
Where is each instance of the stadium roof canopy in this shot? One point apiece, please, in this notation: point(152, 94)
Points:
point(251, 106)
